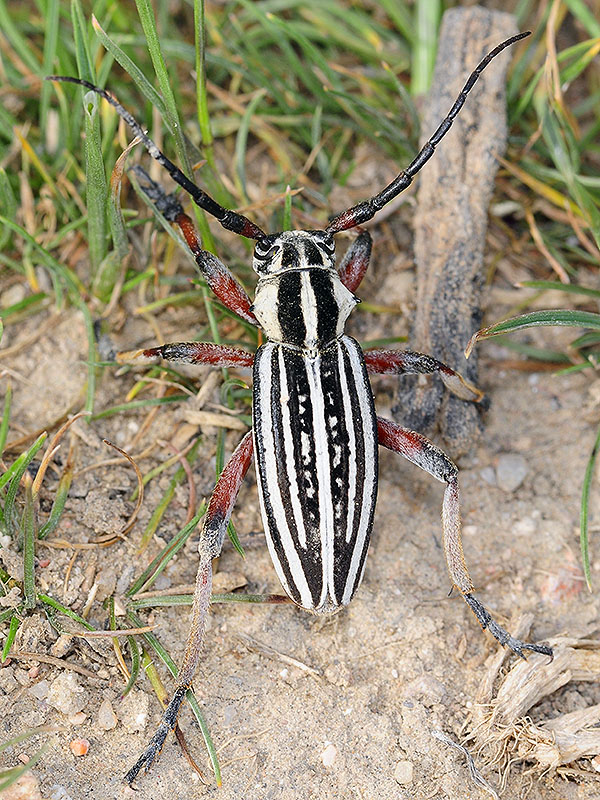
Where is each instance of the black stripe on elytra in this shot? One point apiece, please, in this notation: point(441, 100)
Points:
point(289, 309)
point(328, 310)
point(305, 468)
point(259, 425)
point(344, 550)
point(370, 433)
point(337, 436)
point(285, 473)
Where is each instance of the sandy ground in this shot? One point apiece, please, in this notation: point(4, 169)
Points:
point(403, 661)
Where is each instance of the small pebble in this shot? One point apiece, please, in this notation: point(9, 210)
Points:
point(328, 755)
point(22, 676)
point(78, 719)
point(511, 471)
point(107, 719)
point(79, 747)
point(403, 773)
point(596, 763)
point(66, 695)
point(40, 689)
point(58, 792)
point(62, 646)
point(133, 711)
point(14, 294)
point(24, 788)
point(489, 475)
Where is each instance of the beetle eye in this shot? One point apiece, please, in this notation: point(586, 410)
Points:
point(267, 254)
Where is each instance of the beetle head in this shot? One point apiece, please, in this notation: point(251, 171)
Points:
point(293, 250)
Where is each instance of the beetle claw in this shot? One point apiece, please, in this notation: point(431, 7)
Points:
point(150, 754)
point(503, 636)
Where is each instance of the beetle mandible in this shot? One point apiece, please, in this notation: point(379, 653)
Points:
point(315, 431)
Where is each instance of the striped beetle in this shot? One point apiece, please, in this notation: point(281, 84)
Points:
point(315, 432)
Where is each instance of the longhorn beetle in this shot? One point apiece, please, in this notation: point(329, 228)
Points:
point(315, 431)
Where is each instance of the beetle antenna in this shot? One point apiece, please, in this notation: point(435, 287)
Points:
point(230, 220)
point(368, 208)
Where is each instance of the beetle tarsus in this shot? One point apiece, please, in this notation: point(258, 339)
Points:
point(156, 743)
point(168, 204)
point(498, 632)
point(150, 754)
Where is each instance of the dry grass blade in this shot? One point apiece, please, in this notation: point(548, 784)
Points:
point(51, 449)
point(23, 655)
point(537, 238)
point(267, 650)
point(474, 773)
point(112, 633)
point(105, 540)
point(504, 731)
point(211, 418)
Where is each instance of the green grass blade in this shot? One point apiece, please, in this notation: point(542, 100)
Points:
point(135, 665)
point(9, 777)
point(134, 72)
point(22, 305)
point(50, 601)
point(428, 15)
point(151, 401)
point(584, 512)
point(157, 565)
point(5, 418)
point(401, 15)
point(201, 94)
point(96, 194)
point(14, 475)
point(287, 211)
point(28, 529)
point(96, 191)
point(19, 42)
point(22, 462)
point(59, 273)
point(585, 15)
point(242, 141)
point(8, 205)
point(51, 21)
point(163, 601)
point(15, 621)
point(569, 288)
point(576, 319)
point(91, 362)
point(58, 505)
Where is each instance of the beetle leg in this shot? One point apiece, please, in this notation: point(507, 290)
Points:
point(424, 454)
point(210, 543)
point(215, 273)
point(356, 261)
point(218, 355)
point(396, 362)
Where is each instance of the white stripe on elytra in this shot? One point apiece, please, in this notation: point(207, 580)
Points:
point(370, 443)
point(348, 415)
point(271, 467)
point(289, 464)
point(322, 465)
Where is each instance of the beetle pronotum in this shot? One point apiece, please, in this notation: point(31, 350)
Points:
point(315, 431)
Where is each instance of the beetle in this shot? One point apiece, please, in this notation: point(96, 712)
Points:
point(315, 432)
